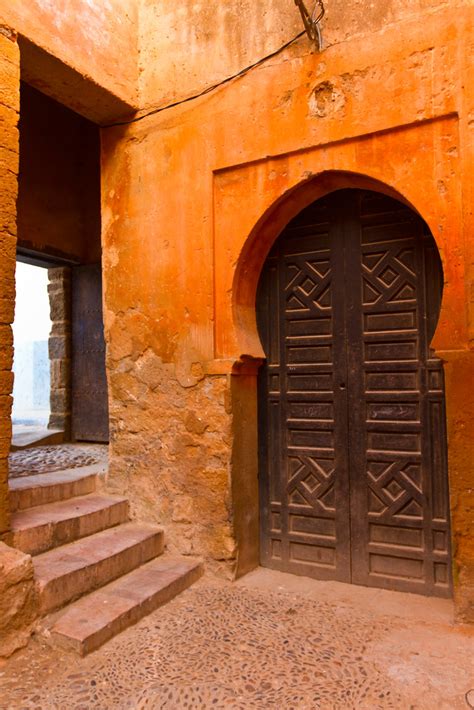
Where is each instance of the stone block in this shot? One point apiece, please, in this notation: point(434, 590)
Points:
point(9, 162)
point(61, 329)
point(59, 421)
point(6, 382)
point(60, 276)
point(10, 54)
point(18, 600)
point(59, 307)
point(8, 128)
point(6, 402)
point(6, 349)
point(60, 401)
point(5, 440)
point(7, 251)
point(7, 271)
point(7, 310)
point(60, 374)
point(59, 347)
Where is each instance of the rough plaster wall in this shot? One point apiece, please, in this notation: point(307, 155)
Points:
point(170, 443)
point(98, 38)
point(59, 184)
point(188, 45)
point(9, 107)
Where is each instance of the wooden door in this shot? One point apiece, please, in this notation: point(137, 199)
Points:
point(352, 443)
point(90, 413)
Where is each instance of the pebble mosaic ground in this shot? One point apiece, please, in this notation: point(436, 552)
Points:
point(47, 459)
point(225, 645)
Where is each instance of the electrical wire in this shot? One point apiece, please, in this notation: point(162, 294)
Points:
point(210, 88)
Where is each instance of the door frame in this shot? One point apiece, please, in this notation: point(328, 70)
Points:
point(244, 278)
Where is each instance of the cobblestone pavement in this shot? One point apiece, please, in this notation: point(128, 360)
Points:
point(47, 459)
point(224, 645)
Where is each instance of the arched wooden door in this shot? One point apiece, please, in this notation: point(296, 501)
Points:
point(352, 442)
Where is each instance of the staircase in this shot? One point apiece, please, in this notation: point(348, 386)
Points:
point(102, 571)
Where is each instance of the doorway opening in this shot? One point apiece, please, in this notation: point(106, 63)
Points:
point(31, 367)
point(352, 437)
point(59, 235)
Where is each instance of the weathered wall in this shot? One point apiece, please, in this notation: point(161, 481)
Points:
point(9, 107)
point(82, 53)
point(19, 608)
point(188, 216)
point(185, 47)
point(59, 184)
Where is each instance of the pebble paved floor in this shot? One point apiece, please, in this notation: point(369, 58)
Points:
point(269, 641)
point(47, 459)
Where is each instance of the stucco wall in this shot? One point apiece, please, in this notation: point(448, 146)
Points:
point(82, 52)
point(9, 107)
point(185, 190)
point(185, 47)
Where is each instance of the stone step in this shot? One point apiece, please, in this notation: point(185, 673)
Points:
point(40, 489)
point(96, 618)
point(68, 572)
point(44, 527)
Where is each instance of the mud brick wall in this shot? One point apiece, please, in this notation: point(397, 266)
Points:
point(9, 108)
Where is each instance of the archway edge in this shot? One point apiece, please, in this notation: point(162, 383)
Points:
point(269, 227)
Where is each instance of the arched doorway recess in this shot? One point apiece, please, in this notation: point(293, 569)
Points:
point(352, 443)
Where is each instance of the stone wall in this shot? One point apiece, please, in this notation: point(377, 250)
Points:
point(170, 438)
point(59, 290)
point(19, 607)
point(9, 107)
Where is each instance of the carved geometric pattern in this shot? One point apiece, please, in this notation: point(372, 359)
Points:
point(388, 276)
point(311, 484)
point(383, 272)
point(308, 285)
point(392, 490)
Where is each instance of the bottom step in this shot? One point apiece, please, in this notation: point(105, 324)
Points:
point(96, 618)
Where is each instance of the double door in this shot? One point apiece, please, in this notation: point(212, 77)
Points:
point(352, 443)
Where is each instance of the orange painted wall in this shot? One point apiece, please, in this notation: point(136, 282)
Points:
point(192, 199)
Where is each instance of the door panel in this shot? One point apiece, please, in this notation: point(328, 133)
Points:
point(306, 505)
point(353, 479)
point(90, 413)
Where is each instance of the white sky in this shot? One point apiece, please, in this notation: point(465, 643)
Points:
point(32, 321)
